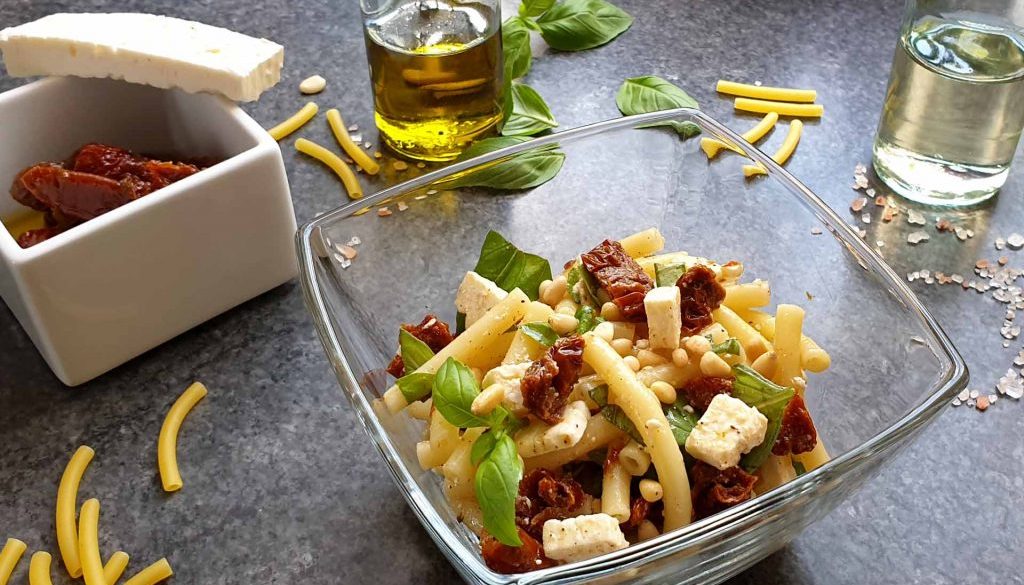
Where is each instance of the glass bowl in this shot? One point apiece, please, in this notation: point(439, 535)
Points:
point(893, 368)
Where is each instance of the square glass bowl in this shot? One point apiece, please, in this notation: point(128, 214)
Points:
point(893, 369)
point(103, 292)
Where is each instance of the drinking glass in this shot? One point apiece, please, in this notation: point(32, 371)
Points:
point(954, 109)
point(436, 70)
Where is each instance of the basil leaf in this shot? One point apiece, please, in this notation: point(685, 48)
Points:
point(416, 385)
point(515, 46)
point(588, 293)
point(497, 485)
point(511, 268)
point(534, 8)
point(588, 319)
point(460, 323)
point(614, 414)
point(520, 171)
point(575, 25)
point(668, 274)
point(414, 352)
point(770, 399)
point(730, 346)
point(530, 115)
point(454, 389)
point(482, 447)
point(649, 93)
point(681, 421)
point(799, 468)
point(540, 332)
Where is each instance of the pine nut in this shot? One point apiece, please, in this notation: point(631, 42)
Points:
point(680, 358)
point(647, 357)
point(697, 345)
point(632, 362)
point(622, 347)
point(712, 365)
point(664, 391)
point(605, 331)
point(563, 324)
point(554, 291)
point(651, 490)
point(610, 311)
point(766, 364)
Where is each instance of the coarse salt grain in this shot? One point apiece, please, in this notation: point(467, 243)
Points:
point(1000, 243)
point(815, 231)
point(865, 217)
point(915, 218)
point(982, 403)
point(858, 203)
point(1015, 241)
point(917, 237)
point(400, 165)
point(347, 251)
point(383, 212)
point(353, 127)
point(354, 241)
point(402, 206)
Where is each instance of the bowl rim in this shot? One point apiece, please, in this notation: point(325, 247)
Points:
point(953, 377)
point(262, 141)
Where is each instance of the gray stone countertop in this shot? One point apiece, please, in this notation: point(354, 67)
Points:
point(283, 486)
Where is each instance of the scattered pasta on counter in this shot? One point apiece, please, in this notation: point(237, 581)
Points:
point(67, 505)
point(9, 557)
point(167, 443)
point(294, 122)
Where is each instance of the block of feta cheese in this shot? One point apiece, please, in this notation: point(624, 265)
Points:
point(476, 295)
point(147, 49)
point(582, 537)
point(727, 429)
point(664, 320)
point(539, 437)
point(509, 378)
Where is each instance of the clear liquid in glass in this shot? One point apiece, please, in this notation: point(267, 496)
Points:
point(954, 109)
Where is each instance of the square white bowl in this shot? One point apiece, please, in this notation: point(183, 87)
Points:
point(105, 291)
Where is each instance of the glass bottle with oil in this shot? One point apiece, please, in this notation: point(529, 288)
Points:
point(436, 69)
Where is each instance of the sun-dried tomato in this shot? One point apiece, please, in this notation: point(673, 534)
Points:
point(32, 237)
point(638, 512)
point(621, 277)
point(549, 380)
point(144, 174)
point(432, 331)
point(700, 294)
point(701, 391)
point(544, 495)
point(797, 433)
point(81, 196)
point(713, 490)
point(514, 559)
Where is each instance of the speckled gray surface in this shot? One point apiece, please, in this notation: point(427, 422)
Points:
point(282, 485)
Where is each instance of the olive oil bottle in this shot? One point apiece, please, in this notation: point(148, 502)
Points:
point(436, 69)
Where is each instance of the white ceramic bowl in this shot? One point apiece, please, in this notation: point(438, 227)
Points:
point(105, 291)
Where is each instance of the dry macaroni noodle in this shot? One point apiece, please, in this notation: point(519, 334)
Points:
point(167, 445)
point(115, 567)
point(783, 153)
point(780, 94)
point(152, 574)
point(348, 178)
point(364, 160)
point(9, 557)
point(781, 108)
point(39, 569)
point(712, 147)
point(67, 503)
point(88, 543)
point(293, 123)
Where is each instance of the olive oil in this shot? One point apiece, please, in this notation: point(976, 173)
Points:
point(436, 70)
point(954, 110)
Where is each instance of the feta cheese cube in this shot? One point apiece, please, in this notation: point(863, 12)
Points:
point(508, 377)
point(539, 437)
point(664, 319)
point(582, 537)
point(728, 429)
point(144, 48)
point(476, 295)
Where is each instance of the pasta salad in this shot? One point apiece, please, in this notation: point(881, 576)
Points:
point(635, 392)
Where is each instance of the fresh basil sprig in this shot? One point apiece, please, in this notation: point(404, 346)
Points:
point(681, 420)
point(534, 8)
point(770, 399)
point(414, 351)
point(520, 171)
point(540, 332)
point(497, 486)
point(454, 389)
point(515, 47)
point(614, 414)
point(576, 25)
point(510, 268)
point(415, 385)
point(589, 291)
point(587, 319)
point(730, 346)
point(649, 93)
point(668, 274)
point(530, 115)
